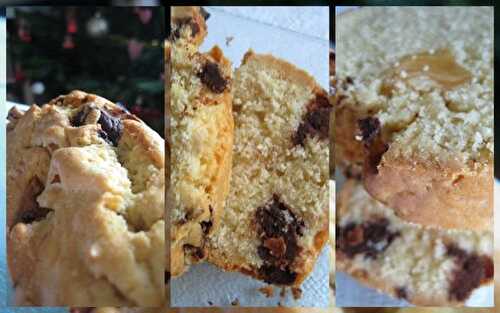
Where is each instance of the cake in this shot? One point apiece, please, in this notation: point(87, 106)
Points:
point(275, 222)
point(201, 140)
point(425, 266)
point(414, 110)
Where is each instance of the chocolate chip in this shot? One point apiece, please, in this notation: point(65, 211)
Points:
point(371, 134)
point(369, 127)
point(167, 277)
point(204, 13)
point(276, 275)
point(79, 118)
point(370, 238)
point(206, 226)
point(112, 128)
point(401, 293)
point(471, 271)
point(235, 302)
point(29, 211)
point(316, 121)
point(278, 229)
point(210, 303)
point(184, 22)
point(211, 76)
point(81, 310)
point(195, 252)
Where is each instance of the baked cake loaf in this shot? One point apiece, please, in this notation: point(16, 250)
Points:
point(414, 109)
point(425, 266)
point(85, 205)
point(201, 134)
point(276, 218)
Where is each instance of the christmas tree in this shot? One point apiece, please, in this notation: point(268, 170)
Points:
point(115, 52)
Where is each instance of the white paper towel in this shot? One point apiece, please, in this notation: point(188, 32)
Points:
point(204, 283)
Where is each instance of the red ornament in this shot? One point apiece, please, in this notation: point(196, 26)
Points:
point(144, 14)
point(19, 74)
point(71, 27)
point(134, 49)
point(24, 34)
point(68, 42)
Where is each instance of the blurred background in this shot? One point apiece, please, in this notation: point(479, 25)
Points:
point(114, 52)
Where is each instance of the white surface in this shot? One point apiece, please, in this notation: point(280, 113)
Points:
point(312, 21)
point(203, 282)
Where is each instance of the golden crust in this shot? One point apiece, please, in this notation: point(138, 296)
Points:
point(201, 145)
point(428, 194)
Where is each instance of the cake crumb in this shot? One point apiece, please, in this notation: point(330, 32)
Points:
point(283, 292)
point(268, 291)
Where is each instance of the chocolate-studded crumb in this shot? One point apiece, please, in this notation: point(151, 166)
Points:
point(471, 271)
point(401, 293)
point(112, 128)
point(210, 303)
point(29, 211)
point(195, 252)
point(316, 121)
point(278, 229)
point(211, 76)
point(235, 302)
point(370, 238)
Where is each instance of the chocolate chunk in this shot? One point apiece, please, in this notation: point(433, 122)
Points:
point(278, 229)
point(370, 238)
point(471, 271)
point(211, 76)
point(195, 252)
point(167, 277)
point(276, 275)
point(204, 13)
point(184, 22)
point(206, 226)
point(401, 293)
point(371, 134)
point(81, 310)
point(112, 128)
point(369, 127)
point(316, 122)
point(29, 211)
point(235, 302)
point(79, 118)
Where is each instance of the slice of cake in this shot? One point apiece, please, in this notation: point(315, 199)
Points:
point(425, 266)
point(276, 218)
point(414, 109)
point(201, 140)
